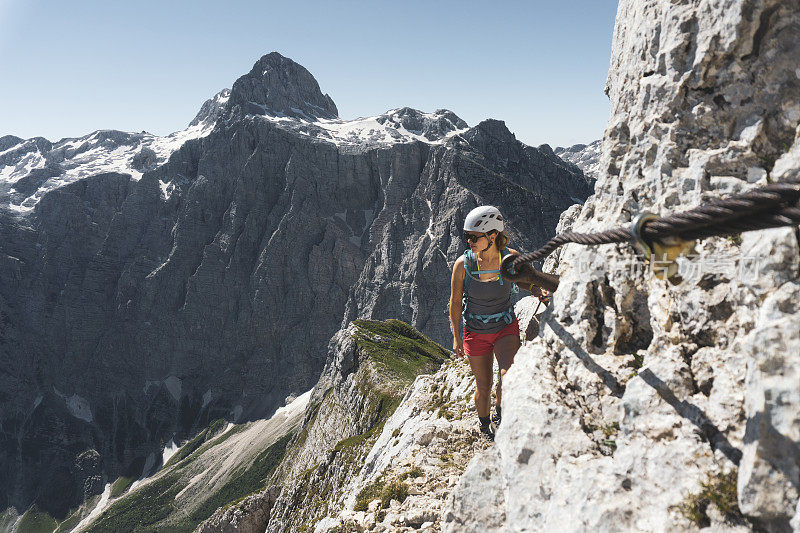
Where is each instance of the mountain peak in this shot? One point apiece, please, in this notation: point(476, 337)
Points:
point(276, 85)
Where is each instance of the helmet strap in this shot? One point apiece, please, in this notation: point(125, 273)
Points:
point(491, 242)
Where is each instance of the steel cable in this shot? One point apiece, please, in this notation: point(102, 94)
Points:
point(771, 206)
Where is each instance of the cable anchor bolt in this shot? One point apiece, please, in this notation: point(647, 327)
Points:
point(660, 254)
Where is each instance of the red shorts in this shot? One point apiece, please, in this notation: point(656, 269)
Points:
point(477, 344)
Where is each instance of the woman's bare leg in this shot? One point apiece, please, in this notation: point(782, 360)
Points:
point(482, 370)
point(504, 349)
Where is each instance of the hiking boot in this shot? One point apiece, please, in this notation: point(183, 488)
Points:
point(496, 416)
point(486, 427)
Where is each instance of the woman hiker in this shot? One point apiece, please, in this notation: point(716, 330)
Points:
point(489, 325)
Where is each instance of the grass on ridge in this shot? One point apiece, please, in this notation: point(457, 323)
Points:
point(399, 348)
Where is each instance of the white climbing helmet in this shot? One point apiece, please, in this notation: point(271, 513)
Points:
point(484, 218)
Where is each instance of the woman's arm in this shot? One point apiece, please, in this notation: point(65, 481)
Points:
point(456, 292)
point(522, 287)
point(533, 289)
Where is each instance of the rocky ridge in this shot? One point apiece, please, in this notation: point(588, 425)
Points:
point(394, 473)
point(368, 429)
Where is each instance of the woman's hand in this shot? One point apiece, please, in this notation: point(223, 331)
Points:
point(540, 293)
point(458, 346)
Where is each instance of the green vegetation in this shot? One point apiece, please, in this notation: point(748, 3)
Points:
point(369, 493)
point(245, 481)
point(610, 443)
point(447, 458)
point(719, 489)
point(379, 489)
point(77, 514)
point(345, 528)
point(35, 520)
point(610, 429)
point(69, 523)
point(440, 402)
point(121, 485)
point(414, 472)
point(150, 504)
point(404, 353)
point(399, 348)
point(306, 491)
point(396, 490)
point(735, 239)
point(395, 355)
point(386, 407)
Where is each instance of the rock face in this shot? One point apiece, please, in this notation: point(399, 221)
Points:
point(638, 392)
point(403, 276)
point(143, 296)
point(247, 517)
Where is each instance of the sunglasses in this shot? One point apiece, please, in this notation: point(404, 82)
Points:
point(469, 237)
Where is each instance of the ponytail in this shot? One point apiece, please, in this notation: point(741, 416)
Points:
point(501, 240)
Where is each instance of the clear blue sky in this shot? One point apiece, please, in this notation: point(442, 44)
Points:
point(72, 67)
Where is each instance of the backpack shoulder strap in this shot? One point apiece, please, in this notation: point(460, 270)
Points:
point(467, 256)
point(503, 253)
point(469, 259)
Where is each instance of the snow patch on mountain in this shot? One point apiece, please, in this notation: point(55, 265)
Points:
point(403, 125)
point(169, 450)
point(31, 168)
point(27, 172)
point(76, 405)
point(173, 384)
